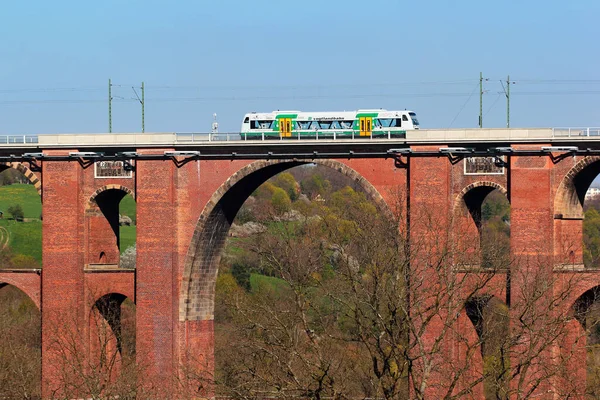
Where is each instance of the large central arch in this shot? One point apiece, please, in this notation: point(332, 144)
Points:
point(202, 260)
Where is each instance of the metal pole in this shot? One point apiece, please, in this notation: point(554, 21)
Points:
point(109, 106)
point(508, 101)
point(481, 99)
point(143, 125)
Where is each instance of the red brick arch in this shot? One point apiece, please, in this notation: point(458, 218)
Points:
point(459, 202)
point(28, 283)
point(29, 174)
point(92, 200)
point(568, 203)
point(202, 259)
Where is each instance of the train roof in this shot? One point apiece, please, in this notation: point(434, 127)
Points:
point(300, 115)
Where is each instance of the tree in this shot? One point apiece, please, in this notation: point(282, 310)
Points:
point(16, 211)
point(281, 201)
point(20, 347)
point(286, 181)
point(99, 360)
point(394, 317)
point(591, 238)
point(315, 185)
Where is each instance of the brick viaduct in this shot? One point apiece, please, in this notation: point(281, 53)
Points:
point(188, 195)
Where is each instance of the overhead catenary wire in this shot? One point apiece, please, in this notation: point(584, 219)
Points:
point(300, 86)
point(493, 104)
point(294, 97)
point(464, 105)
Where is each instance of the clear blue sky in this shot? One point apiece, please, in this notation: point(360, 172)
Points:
point(231, 57)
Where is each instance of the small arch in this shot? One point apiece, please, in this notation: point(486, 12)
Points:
point(32, 293)
point(202, 259)
point(568, 202)
point(104, 225)
point(570, 222)
point(483, 187)
point(29, 174)
point(476, 245)
point(91, 204)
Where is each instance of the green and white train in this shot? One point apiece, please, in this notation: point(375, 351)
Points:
point(331, 125)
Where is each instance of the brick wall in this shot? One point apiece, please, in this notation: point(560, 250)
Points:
point(184, 212)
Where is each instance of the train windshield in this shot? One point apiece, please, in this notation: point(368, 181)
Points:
point(261, 124)
point(413, 116)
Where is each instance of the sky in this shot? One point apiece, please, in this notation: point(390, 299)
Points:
point(231, 57)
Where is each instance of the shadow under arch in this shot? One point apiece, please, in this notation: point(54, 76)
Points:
point(109, 307)
point(473, 195)
point(468, 227)
point(586, 311)
point(103, 224)
point(490, 317)
point(202, 260)
point(112, 339)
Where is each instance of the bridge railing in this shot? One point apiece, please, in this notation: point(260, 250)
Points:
point(183, 138)
point(575, 132)
point(18, 139)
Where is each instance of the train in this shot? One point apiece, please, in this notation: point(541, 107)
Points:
point(333, 125)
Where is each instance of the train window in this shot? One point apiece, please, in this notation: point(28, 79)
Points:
point(397, 122)
point(346, 124)
point(303, 125)
point(385, 122)
point(325, 124)
point(335, 125)
point(246, 120)
point(404, 118)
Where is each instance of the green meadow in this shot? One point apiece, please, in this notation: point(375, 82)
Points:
point(25, 238)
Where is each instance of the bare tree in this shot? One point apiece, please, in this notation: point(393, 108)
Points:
point(20, 353)
point(98, 360)
point(358, 306)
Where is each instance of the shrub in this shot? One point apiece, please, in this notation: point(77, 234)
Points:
point(17, 212)
point(128, 257)
point(242, 275)
point(281, 201)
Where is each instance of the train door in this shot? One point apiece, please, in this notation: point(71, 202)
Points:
point(366, 125)
point(285, 127)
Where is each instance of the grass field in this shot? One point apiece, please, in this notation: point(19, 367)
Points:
point(127, 237)
point(25, 237)
point(127, 207)
point(25, 195)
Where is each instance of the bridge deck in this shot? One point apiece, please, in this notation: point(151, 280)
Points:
point(173, 139)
